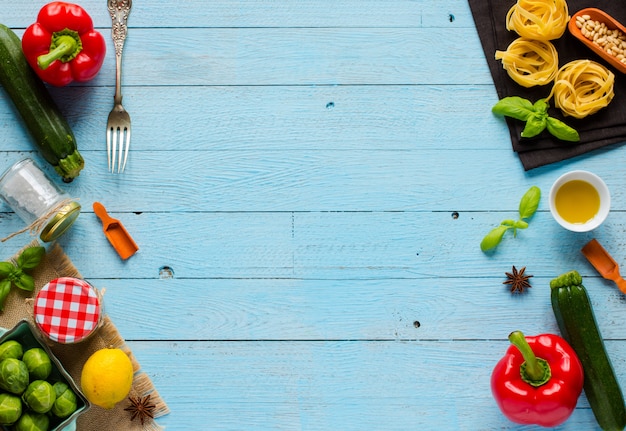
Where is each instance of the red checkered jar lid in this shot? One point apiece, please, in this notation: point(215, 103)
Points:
point(67, 310)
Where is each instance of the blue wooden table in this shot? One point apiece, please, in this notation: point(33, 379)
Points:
point(309, 183)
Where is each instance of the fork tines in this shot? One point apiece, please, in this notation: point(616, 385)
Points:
point(118, 141)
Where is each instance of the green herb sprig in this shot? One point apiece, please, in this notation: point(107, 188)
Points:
point(536, 117)
point(527, 207)
point(17, 275)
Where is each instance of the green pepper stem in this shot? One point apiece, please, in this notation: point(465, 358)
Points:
point(65, 46)
point(534, 371)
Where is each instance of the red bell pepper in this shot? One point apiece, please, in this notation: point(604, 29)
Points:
point(538, 381)
point(62, 46)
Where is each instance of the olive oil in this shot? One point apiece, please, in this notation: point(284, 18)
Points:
point(577, 201)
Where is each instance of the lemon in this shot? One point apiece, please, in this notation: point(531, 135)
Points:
point(107, 377)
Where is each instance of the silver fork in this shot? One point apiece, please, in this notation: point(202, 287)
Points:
point(118, 124)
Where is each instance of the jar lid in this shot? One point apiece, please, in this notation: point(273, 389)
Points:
point(61, 222)
point(67, 310)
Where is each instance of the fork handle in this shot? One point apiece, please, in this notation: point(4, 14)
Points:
point(119, 11)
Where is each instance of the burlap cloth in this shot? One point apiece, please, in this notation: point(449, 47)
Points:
point(19, 306)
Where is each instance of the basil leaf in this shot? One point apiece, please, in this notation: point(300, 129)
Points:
point(534, 126)
point(25, 282)
point(493, 238)
point(514, 107)
point(541, 107)
point(5, 269)
point(561, 130)
point(530, 202)
point(31, 257)
point(508, 222)
point(15, 274)
point(5, 288)
point(520, 224)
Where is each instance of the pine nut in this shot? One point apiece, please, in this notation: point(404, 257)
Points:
point(613, 42)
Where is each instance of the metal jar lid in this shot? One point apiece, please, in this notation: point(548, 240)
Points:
point(61, 222)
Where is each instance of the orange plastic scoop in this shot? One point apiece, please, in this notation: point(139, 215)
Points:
point(603, 263)
point(116, 233)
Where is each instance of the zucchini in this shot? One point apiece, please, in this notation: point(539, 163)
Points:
point(50, 131)
point(577, 322)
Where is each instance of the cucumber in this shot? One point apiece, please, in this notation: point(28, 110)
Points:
point(50, 131)
point(577, 323)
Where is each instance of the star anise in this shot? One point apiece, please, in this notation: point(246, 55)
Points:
point(517, 279)
point(141, 407)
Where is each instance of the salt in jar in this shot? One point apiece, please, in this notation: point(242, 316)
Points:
point(39, 202)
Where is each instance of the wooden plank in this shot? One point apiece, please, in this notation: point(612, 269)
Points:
point(454, 308)
point(297, 56)
point(264, 13)
point(359, 180)
point(308, 56)
point(280, 118)
point(326, 245)
point(344, 385)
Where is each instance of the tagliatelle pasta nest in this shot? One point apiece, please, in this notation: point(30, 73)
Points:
point(538, 19)
point(530, 62)
point(582, 88)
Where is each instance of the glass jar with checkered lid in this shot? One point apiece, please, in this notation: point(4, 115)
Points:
point(68, 310)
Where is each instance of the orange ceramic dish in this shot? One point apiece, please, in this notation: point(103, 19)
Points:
point(610, 22)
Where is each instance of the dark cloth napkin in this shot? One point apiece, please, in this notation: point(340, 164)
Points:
point(607, 126)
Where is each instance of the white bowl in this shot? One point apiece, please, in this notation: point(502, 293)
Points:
point(598, 184)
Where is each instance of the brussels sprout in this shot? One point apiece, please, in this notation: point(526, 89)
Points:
point(39, 396)
point(31, 421)
point(13, 376)
point(10, 408)
point(66, 402)
point(38, 363)
point(59, 388)
point(11, 349)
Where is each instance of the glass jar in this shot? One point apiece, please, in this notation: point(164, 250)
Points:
point(36, 199)
point(68, 310)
